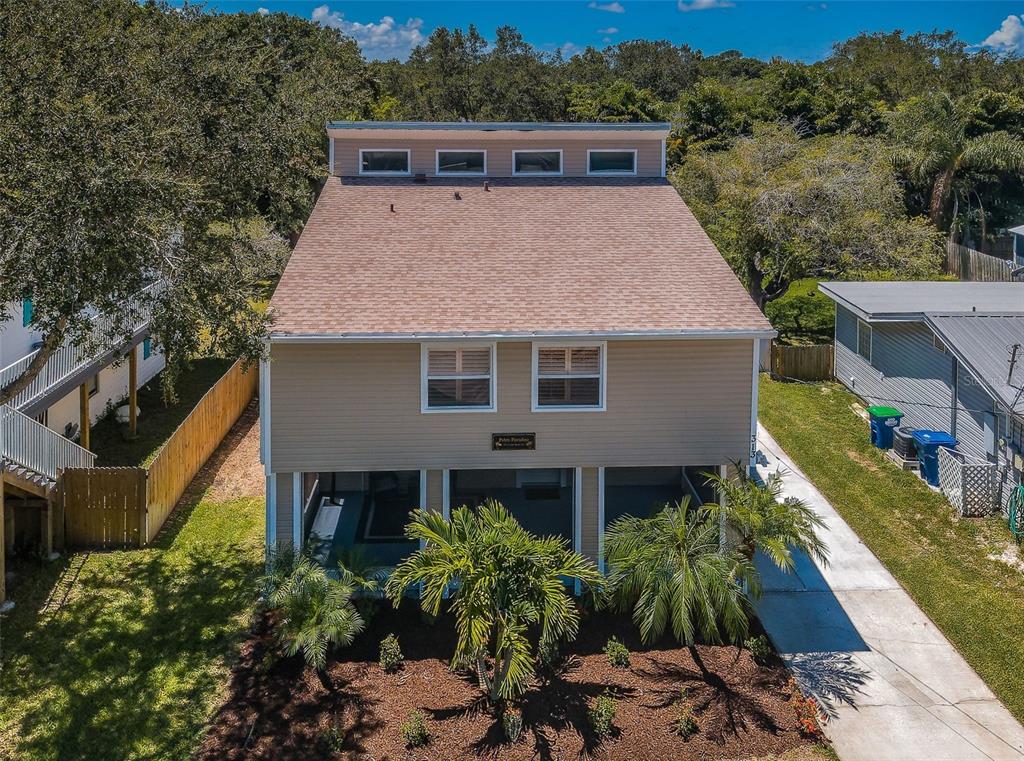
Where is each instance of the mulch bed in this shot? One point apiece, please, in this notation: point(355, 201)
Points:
point(278, 709)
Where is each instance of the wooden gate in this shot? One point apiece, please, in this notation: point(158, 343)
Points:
point(105, 508)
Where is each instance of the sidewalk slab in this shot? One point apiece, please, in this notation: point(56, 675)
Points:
point(892, 686)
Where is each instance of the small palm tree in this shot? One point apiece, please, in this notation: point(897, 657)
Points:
point(671, 570)
point(315, 612)
point(934, 145)
point(502, 580)
point(765, 520)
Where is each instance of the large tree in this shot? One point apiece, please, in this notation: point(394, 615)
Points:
point(782, 208)
point(142, 142)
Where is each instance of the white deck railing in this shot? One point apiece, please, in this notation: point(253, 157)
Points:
point(32, 445)
point(68, 358)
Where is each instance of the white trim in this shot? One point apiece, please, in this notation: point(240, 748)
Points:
point(600, 518)
point(612, 173)
point(534, 376)
point(423, 502)
point(577, 515)
point(271, 538)
point(561, 162)
point(664, 159)
point(408, 162)
point(437, 162)
point(424, 351)
point(265, 410)
point(755, 390)
point(579, 335)
point(297, 511)
point(871, 341)
point(446, 493)
point(330, 155)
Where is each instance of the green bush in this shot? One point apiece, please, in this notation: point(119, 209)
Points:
point(618, 654)
point(390, 654)
point(684, 724)
point(760, 649)
point(512, 725)
point(415, 731)
point(601, 714)
point(332, 739)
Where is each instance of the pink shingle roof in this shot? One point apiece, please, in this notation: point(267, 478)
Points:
point(553, 256)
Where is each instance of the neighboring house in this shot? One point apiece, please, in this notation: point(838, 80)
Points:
point(525, 312)
point(948, 354)
point(40, 426)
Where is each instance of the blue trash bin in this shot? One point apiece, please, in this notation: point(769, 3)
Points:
point(883, 421)
point(928, 443)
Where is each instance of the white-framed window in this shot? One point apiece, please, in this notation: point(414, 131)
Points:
point(458, 377)
point(537, 161)
point(569, 377)
point(459, 161)
point(937, 343)
point(384, 161)
point(864, 339)
point(611, 161)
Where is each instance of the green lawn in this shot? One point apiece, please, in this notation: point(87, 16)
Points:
point(157, 421)
point(132, 662)
point(942, 562)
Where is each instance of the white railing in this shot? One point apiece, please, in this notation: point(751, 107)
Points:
point(68, 358)
point(32, 445)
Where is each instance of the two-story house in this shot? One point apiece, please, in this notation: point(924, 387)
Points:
point(45, 427)
point(525, 312)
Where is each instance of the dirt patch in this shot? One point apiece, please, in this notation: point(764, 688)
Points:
point(277, 709)
point(861, 460)
point(234, 469)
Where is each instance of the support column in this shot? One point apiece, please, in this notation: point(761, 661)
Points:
point(3, 546)
point(46, 528)
point(83, 415)
point(133, 391)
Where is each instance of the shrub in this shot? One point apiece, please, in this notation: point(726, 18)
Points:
point(807, 712)
point(512, 725)
point(390, 654)
point(618, 654)
point(332, 739)
point(415, 731)
point(760, 649)
point(684, 724)
point(601, 714)
point(549, 657)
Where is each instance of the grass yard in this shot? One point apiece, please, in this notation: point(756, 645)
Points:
point(125, 655)
point(157, 421)
point(946, 564)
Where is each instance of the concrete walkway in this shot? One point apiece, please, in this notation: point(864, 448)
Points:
point(894, 688)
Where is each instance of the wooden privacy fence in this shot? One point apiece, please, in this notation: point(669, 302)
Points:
point(968, 264)
point(122, 507)
point(808, 363)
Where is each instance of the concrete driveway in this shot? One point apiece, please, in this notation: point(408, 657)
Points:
point(894, 688)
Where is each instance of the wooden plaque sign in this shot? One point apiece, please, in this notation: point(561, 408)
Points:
point(503, 441)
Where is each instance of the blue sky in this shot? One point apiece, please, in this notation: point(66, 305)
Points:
point(800, 29)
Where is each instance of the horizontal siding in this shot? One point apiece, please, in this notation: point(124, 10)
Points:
point(906, 370)
point(972, 404)
point(357, 407)
point(499, 153)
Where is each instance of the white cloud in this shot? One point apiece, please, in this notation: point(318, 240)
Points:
point(569, 49)
point(613, 7)
point(262, 11)
point(381, 40)
point(1008, 38)
point(608, 30)
point(703, 5)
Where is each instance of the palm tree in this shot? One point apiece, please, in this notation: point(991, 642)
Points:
point(502, 580)
point(671, 569)
point(315, 612)
point(765, 520)
point(934, 145)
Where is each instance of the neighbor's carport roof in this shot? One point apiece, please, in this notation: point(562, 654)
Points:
point(911, 300)
point(984, 344)
point(393, 258)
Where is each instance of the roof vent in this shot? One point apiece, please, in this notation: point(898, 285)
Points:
point(487, 186)
point(458, 196)
point(419, 177)
point(392, 208)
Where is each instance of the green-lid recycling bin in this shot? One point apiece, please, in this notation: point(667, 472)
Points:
point(883, 421)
